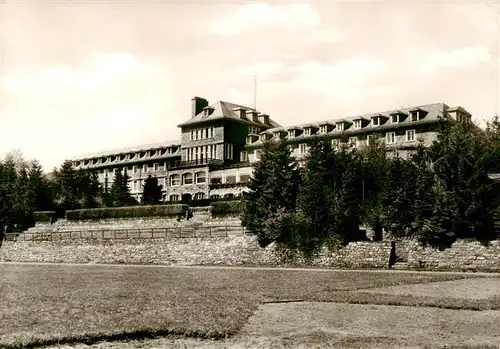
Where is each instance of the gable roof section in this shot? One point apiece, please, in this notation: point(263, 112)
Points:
point(434, 113)
point(224, 111)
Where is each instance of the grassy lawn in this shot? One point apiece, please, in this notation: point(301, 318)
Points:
point(44, 304)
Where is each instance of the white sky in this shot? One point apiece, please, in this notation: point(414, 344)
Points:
point(80, 77)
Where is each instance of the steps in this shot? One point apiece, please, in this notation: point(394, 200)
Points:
point(400, 266)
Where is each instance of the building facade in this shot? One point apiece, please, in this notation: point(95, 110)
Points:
point(220, 143)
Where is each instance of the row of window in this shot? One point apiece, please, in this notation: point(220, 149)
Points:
point(200, 153)
point(339, 126)
point(200, 196)
point(202, 133)
point(126, 157)
point(187, 178)
point(390, 138)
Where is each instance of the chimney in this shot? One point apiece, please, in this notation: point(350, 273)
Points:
point(197, 105)
point(264, 118)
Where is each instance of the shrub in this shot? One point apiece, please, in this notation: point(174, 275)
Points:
point(44, 216)
point(178, 210)
point(226, 208)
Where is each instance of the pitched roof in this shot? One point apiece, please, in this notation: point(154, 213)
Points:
point(434, 112)
point(143, 147)
point(225, 110)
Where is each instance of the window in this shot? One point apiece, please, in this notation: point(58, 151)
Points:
point(414, 116)
point(187, 178)
point(395, 118)
point(277, 135)
point(175, 180)
point(231, 179)
point(228, 196)
point(340, 126)
point(199, 196)
point(357, 124)
point(144, 168)
point(196, 135)
point(174, 197)
point(211, 132)
point(244, 156)
point(214, 196)
point(353, 141)
point(335, 143)
point(200, 177)
point(206, 133)
point(136, 185)
point(370, 139)
point(390, 137)
point(192, 135)
point(229, 151)
point(302, 148)
point(257, 154)
point(244, 178)
point(156, 167)
point(291, 133)
point(323, 129)
point(215, 180)
point(410, 135)
point(307, 131)
point(376, 121)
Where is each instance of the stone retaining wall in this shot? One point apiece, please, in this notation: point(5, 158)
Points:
point(463, 255)
point(229, 251)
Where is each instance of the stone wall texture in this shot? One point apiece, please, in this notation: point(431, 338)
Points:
point(463, 255)
point(228, 251)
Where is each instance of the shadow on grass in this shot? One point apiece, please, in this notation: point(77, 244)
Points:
point(90, 339)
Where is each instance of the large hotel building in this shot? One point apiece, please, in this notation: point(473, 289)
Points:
point(221, 141)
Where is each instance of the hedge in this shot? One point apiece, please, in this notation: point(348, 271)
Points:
point(223, 208)
point(44, 216)
point(128, 212)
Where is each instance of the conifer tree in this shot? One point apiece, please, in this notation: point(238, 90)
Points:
point(273, 188)
point(152, 191)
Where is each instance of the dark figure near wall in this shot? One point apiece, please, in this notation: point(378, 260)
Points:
point(393, 257)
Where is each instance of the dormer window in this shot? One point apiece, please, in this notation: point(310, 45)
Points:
point(207, 111)
point(307, 131)
point(340, 126)
point(323, 129)
point(291, 134)
point(263, 137)
point(277, 135)
point(376, 121)
point(357, 124)
point(394, 118)
point(415, 116)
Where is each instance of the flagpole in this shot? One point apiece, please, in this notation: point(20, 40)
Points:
point(255, 92)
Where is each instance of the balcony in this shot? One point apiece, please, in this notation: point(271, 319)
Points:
point(193, 163)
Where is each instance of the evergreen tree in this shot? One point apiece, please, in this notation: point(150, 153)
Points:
point(375, 183)
point(120, 191)
point(152, 191)
point(462, 157)
point(40, 188)
point(66, 187)
point(347, 195)
point(274, 186)
point(315, 200)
